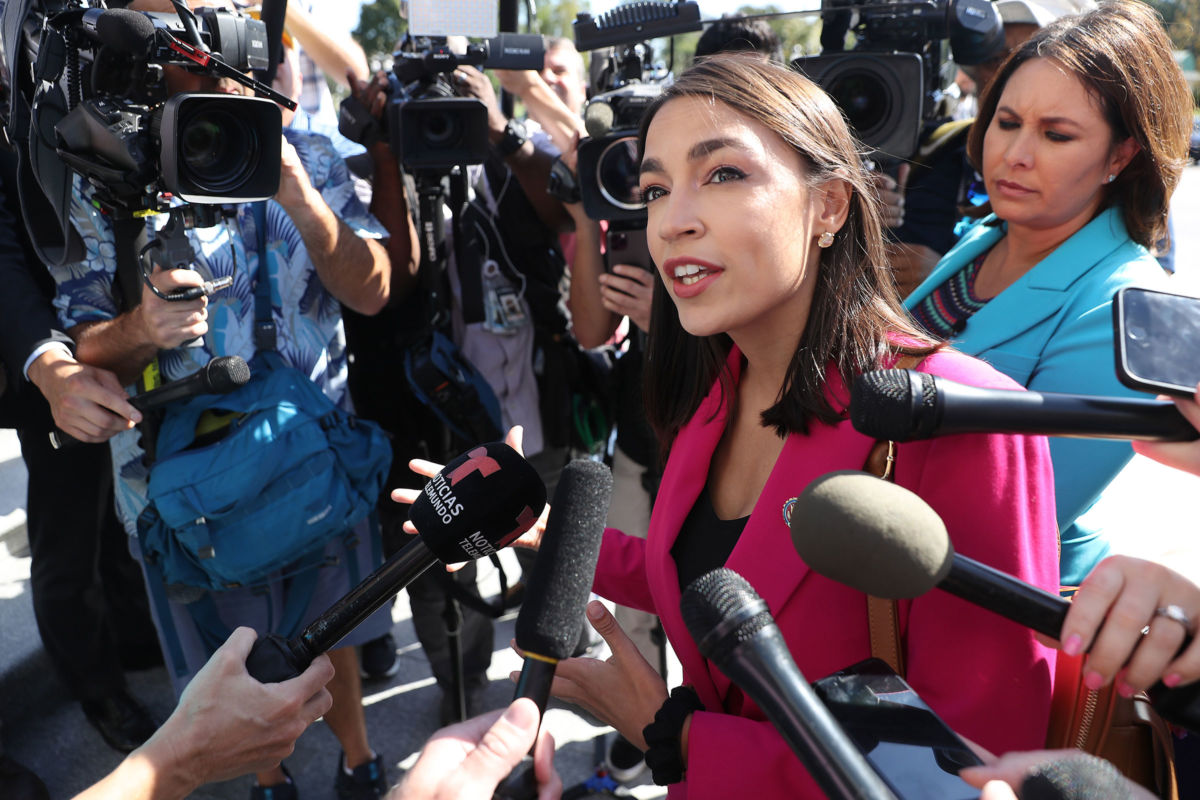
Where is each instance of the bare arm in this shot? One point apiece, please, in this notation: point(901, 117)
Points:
point(334, 55)
point(128, 342)
point(560, 123)
point(593, 324)
point(226, 724)
point(356, 271)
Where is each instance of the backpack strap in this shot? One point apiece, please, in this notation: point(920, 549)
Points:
point(264, 325)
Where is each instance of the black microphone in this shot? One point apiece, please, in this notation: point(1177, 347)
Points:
point(734, 629)
point(552, 614)
point(221, 375)
point(274, 12)
point(476, 505)
point(903, 405)
point(883, 540)
point(121, 30)
point(1077, 777)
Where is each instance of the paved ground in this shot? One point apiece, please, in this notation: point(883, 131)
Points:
point(45, 730)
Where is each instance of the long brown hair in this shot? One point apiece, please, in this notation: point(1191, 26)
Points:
point(1122, 55)
point(855, 304)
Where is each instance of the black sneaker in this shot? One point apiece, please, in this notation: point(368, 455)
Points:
point(625, 762)
point(276, 791)
point(377, 658)
point(124, 722)
point(365, 782)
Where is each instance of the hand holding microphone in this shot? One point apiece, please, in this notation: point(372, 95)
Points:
point(476, 505)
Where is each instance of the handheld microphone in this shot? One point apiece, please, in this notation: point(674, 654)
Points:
point(891, 544)
point(552, 614)
point(476, 505)
point(734, 629)
point(220, 375)
point(273, 14)
point(903, 405)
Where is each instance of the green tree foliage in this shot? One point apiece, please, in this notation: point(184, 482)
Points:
point(379, 28)
point(555, 19)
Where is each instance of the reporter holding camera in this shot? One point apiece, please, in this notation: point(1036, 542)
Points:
point(321, 247)
point(1081, 139)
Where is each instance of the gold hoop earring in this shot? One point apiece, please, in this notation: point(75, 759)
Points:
point(825, 239)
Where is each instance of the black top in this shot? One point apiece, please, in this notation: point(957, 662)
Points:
point(705, 540)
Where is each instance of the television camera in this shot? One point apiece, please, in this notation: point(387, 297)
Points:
point(426, 125)
point(890, 83)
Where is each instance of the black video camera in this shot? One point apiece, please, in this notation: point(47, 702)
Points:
point(630, 82)
point(120, 128)
point(892, 80)
point(426, 125)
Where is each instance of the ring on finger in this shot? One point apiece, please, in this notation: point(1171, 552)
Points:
point(1175, 614)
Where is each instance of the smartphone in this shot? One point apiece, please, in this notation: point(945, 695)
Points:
point(1157, 341)
point(917, 755)
point(626, 244)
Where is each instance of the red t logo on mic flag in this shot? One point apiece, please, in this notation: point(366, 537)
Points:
point(478, 460)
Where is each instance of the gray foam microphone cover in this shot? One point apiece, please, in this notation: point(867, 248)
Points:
point(598, 119)
point(870, 534)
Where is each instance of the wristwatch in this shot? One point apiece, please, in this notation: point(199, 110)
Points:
point(562, 184)
point(514, 136)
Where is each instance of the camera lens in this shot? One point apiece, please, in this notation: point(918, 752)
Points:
point(864, 99)
point(440, 130)
point(217, 149)
point(617, 173)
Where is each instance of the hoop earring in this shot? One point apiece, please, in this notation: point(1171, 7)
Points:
point(825, 239)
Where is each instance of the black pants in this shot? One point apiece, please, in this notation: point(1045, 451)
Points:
point(88, 595)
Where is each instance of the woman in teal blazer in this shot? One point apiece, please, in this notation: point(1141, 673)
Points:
point(1079, 164)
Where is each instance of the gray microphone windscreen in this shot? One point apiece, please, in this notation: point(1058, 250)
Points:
point(598, 119)
point(556, 595)
point(1077, 777)
point(869, 534)
point(126, 31)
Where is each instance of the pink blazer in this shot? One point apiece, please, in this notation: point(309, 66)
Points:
point(986, 677)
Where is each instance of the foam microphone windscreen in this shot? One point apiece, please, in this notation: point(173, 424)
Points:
point(598, 119)
point(125, 31)
point(1077, 777)
point(478, 503)
point(870, 534)
point(226, 373)
point(556, 594)
point(886, 403)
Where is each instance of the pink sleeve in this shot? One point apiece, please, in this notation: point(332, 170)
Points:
point(621, 571)
point(988, 678)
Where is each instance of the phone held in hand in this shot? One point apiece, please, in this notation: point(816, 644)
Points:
point(1157, 341)
point(907, 744)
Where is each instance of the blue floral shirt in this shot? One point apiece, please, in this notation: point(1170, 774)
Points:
point(308, 320)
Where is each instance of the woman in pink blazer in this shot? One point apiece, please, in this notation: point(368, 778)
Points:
point(774, 293)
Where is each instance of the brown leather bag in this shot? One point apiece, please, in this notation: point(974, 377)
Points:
point(1126, 731)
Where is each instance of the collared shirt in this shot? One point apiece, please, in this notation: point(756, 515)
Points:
point(307, 317)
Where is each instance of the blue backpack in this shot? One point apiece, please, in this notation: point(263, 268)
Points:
point(289, 472)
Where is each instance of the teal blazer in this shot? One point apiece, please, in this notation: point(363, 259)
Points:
point(1052, 331)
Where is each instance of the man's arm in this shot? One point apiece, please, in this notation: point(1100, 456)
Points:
point(129, 341)
point(560, 123)
point(226, 724)
point(356, 271)
point(334, 55)
point(530, 165)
